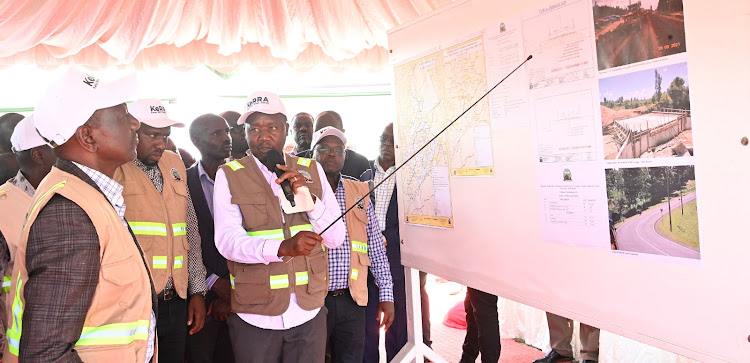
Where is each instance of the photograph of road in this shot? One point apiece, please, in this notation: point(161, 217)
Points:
point(654, 210)
point(630, 31)
point(646, 114)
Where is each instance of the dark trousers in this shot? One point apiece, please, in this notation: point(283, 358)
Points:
point(346, 328)
point(397, 336)
point(211, 344)
point(302, 343)
point(171, 330)
point(482, 327)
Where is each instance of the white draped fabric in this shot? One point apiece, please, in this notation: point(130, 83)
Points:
point(223, 34)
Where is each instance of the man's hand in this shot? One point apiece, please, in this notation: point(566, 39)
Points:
point(220, 309)
point(196, 313)
point(223, 288)
point(296, 180)
point(388, 311)
point(300, 245)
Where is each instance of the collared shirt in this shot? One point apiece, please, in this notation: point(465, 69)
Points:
point(208, 186)
point(339, 258)
point(384, 193)
point(113, 191)
point(21, 183)
point(196, 270)
point(233, 242)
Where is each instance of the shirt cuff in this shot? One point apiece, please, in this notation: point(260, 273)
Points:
point(386, 294)
point(211, 280)
point(318, 210)
point(271, 250)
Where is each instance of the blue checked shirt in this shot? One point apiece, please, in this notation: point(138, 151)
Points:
point(339, 258)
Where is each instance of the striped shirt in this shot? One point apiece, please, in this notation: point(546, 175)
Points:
point(339, 258)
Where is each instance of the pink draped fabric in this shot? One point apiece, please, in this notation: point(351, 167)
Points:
point(223, 34)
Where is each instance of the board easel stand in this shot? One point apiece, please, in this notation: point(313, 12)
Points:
point(415, 349)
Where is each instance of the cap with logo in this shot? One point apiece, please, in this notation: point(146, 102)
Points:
point(151, 111)
point(263, 102)
point(24, 136)
point(327, 131)
point(71, 100)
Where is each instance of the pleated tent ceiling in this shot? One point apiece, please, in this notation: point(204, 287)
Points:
point(223, 34)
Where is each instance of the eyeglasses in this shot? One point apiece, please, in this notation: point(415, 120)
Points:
point(237, 129)
point(384, 138)
point(338, 150)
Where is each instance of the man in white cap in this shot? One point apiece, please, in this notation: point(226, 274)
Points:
point(278, 268)
point(161, 215)
point(348, 264)
point(35, 159)
point(80, 287)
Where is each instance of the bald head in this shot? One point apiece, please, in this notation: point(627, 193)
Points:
point(231, 117)
point(7, 123)
point(210, 135)
point(329, 118)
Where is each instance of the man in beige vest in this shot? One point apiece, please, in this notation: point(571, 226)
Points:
point(35, 159)
point(161, 215)
point(277, 266)
point(363, 248)
point(80, 287)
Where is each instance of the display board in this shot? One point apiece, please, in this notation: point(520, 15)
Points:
point(604, 181)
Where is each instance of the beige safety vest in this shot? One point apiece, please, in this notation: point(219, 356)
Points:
point(356, 227)
point(14, 203)
point(117, 323)
point(265, 289)
point(159, 221)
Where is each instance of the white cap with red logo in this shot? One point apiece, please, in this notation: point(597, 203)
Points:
point(151, 111)
point(263, 102)
point(71, 100)
point(24, 136)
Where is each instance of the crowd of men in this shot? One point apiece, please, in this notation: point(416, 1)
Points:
point(115, 245)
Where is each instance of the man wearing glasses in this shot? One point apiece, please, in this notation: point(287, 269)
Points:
point(239, 144)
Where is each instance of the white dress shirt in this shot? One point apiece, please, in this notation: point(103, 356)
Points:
point(233, 242)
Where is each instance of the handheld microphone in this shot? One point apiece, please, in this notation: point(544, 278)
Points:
point(272, 158)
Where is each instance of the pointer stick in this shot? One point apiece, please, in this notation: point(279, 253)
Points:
point(424, 146)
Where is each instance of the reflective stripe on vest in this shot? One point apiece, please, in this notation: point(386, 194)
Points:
point(231, 280)
point(160, 262)
point(355, 273)
point(359, 246)
point(278, 234)
point(178, 260)
point(148, 228)
point(114, 334)
point(44, 196)
point(279, 281)
point(6, 283)
point(301, 278)
point(304, 162)
point(14, 332)
point(235, 165)
point(179, 229)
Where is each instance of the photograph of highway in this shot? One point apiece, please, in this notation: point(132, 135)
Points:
point(633, 31)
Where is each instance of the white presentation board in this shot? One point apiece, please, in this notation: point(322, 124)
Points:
point(629, 110)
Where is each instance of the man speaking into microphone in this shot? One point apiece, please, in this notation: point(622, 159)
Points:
point(278, 268)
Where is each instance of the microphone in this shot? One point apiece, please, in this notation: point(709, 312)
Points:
point(272, 158)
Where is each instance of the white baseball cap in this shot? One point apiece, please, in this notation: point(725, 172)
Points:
point(71, 100)
point(263, 102)
point(327, 131)
point(151, 112)
point(24, 136)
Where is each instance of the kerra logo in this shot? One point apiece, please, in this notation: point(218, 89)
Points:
point(256, 101)
point(158, 109)
point(91, 81)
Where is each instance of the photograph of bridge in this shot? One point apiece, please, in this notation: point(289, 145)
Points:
point(646, 114)
point(630, 31)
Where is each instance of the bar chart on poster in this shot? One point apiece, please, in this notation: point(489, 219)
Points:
point(604, 180)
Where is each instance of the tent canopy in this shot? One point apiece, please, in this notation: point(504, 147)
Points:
point(223, 34)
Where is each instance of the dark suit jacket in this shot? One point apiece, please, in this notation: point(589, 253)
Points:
point(213, 260)
point(62, 259)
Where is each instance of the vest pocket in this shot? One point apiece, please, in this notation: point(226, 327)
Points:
point(252, 284)
point(253, 208)
point(317, 266)
point(122, 273)
point(364, 259)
